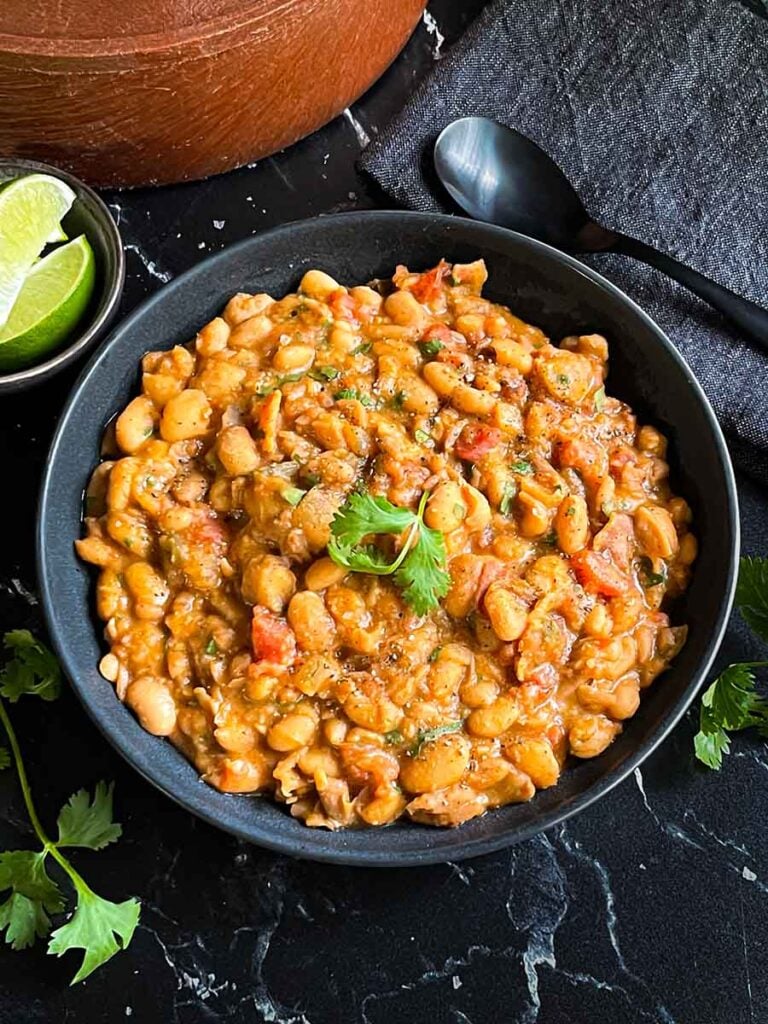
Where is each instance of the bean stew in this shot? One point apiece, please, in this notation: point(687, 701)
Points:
point(384, 550)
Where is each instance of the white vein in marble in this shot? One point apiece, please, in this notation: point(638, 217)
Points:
point(434, 30)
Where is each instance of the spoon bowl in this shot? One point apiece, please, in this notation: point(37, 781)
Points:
point(500, 176)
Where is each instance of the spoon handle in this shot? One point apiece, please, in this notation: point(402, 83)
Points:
point(750, 318)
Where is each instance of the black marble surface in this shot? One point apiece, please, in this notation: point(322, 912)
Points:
point(649, 907)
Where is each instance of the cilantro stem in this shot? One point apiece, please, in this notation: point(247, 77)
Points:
point(413, 532)
point(23, 780)
point(26, 791)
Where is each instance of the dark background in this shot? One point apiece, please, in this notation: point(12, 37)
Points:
point(648, 907)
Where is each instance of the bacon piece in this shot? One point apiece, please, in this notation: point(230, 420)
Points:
point(597, 573)
point(617, 538)
point(438, 332)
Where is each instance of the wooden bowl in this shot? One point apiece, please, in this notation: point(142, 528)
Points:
point(156, 91)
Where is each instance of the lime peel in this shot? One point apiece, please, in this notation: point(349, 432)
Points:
point(52, 301)
point(31, 209)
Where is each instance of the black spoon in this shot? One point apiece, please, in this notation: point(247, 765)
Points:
point(498, 175)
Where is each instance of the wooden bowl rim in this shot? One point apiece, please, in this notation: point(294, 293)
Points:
point(196, 40)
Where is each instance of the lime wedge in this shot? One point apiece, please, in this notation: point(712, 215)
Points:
point(30, 211)
point(52, 300)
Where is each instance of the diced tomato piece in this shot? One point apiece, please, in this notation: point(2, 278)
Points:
point(476, 440)
point(207, 530)
point(272, 638)
point(343, 306)
point(429, 284)
point(620, 458)
point(544, 676)
point(597, 573)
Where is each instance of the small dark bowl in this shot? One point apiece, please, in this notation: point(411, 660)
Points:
point(88, 216)
point(541, 285)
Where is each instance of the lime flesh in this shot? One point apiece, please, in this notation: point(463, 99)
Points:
point(52, 300)
point(30, 211)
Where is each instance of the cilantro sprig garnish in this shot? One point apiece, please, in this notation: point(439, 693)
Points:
point(419, 567)
point(732, 703)
point(98, 927)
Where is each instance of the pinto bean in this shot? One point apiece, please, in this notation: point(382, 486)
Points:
point(572, 524)
point(292, 732)
point(268, 581)
point(438, 764)
point(311, 621)
point(405, 310)
point(446, 509)
point(186, 415)
point(656, 531)
point(318, 285)
point(153, 704)
point(536, 758)
point(237, 451)
point(507, 612)
point(495, 719)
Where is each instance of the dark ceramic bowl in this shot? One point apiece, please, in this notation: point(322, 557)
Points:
point(88, 216)
point(541, 285)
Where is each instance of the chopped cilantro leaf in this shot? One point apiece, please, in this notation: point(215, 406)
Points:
point(323, 373)
point(431, 348)
point(428, 735)
point(354, 395)
point(508, 495)
point(292, 495)
point(648, 576)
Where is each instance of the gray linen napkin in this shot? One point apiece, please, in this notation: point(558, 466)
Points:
point(657, 110)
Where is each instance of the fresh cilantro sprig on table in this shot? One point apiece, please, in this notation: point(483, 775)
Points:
point(418, 569)
point(32, 668)
point(731, 703)
point(98, 927)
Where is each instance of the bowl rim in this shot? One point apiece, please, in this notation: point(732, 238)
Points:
point(112, 289)
point(321, 847)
